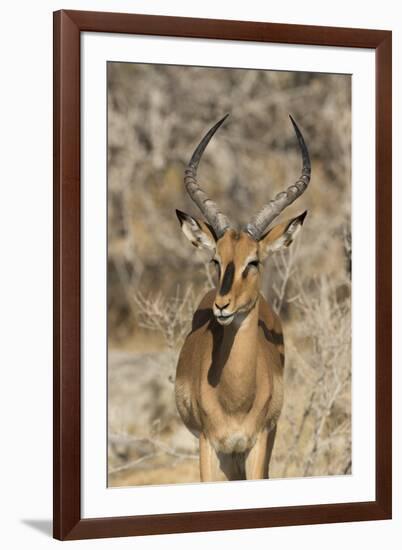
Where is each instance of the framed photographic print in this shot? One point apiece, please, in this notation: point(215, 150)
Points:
point(222, 266)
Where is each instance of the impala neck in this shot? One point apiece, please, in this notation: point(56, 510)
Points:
point(234, 360)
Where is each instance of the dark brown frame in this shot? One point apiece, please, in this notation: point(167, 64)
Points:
point(68, 523)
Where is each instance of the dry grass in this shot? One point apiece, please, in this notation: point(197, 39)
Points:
point(156, 116)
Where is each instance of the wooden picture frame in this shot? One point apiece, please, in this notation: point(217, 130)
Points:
point(68, 26)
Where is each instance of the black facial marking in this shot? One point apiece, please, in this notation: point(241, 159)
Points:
point(227, 279)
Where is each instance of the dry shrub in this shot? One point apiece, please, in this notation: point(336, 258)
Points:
point(315, 424)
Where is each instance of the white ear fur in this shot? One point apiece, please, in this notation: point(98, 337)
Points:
point(197, 232)
point(281, 235)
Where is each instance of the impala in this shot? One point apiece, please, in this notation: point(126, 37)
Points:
point(229, 379)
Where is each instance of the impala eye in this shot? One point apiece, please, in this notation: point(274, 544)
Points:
point(217, 266)
point(254, 263)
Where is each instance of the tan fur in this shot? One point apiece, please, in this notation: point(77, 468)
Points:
point(229, 380)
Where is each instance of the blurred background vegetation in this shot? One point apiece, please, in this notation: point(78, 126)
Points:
point(156, 116)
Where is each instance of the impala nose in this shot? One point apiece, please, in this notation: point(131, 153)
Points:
point(221, 308)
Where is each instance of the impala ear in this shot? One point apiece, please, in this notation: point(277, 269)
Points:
point(281, 235)
point(199, 233)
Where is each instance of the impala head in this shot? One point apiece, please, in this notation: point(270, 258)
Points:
point(238, 255)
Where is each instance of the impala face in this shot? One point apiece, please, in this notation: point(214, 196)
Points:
point(238, 261)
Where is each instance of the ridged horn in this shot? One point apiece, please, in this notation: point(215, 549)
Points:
point(270, 211)
point(210, 210)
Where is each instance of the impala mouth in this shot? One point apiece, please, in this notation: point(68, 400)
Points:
point(225, 319)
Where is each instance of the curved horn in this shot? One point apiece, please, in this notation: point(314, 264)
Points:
point(213, 215)
point(271, 210)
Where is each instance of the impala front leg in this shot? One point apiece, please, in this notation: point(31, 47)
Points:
point(213, 467)
point(258, 459)
point(208, 460)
